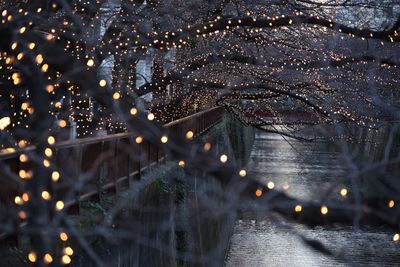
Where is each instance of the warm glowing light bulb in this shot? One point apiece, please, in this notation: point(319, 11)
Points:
point(22, 143)
point(62, 123)
point(25, 106)
point(343, 192)
point(51, 140)
point(46, 195)
point(270, 185)
point(396, 237)
point(116, 96)
point(298, 208)
point(25, 197)
point(66, 259)
point(324, 210)
point(22, 174)
point(90, 63)
point(164, 139)
point(39, 59)
point(102, 83)
point(63, 236)
point(139, 140)
point(18, 200)
point(207, 147)
point(189, 135)
point(55, 176)
point(32, 256)
point(48, 258)
point(59, 205)
point(133, 111)
point(48, 152)
point(223, 158)
point(259, 192)
point(151, 116)
point(49, 88)
point(22, 215)
point(46, 163)
point(242, 173)
point(5, 122)
point(69, 251)
point(23, 158)
point(285, 186)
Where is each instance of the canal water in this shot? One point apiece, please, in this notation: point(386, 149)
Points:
point(306, 170)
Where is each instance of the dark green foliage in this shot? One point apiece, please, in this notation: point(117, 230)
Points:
point(241, 139)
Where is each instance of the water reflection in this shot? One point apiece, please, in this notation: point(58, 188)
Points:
point(309, 169)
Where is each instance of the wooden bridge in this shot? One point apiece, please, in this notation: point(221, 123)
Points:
point(96, 165)
point(283, 117)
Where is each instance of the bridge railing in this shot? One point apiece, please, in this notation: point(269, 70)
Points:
point(93, 166)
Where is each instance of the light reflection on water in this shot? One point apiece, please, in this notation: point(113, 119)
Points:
point(309, 169)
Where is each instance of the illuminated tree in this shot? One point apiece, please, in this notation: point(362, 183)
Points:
point(294, 61)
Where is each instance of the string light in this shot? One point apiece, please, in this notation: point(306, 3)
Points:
point(63, 236)
point(32, 256)
point(223, 158)
point(102, 83)
point(48, 152)
point(189, 134)
point(324, 210)
point(164, 139)
point(22, 215)
point(90, 63)
point(62, 123)
point(150, 116)
point(207, 147)
point(270, 185)
point(69, 251)
point(18, 200)
point(66, 259)
point(25, 197)
point(51, 140)
point(59, 205)
point(259, 192)
point(39, 59)
point(55, 176)
point(133, 111)
point(47, 258)
point(46, 195)
point(285, 186)
point(396, 237)
point(343, 192)
point(4, 122)
point(217, 67)
point(298, 208)
point(116, 96)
